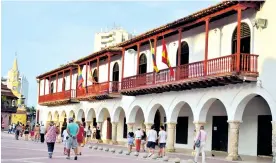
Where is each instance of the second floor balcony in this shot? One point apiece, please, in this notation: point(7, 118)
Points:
point(58, 98)
point(213, 72)
point(99, 91)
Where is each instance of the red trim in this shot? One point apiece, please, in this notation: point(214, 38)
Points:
point(49, 84)
point(86, 71)
point(63, 86)
point(56, 82)
point(38, 88)
point(123, 64)
point(98, 62)
point(71, 78)
point(138, 58)
point(206, 45)
point(108, 62)
point(44, 85)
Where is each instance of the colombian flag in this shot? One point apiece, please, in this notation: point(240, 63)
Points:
point(80, 78)
point(165, 57)
point(153, 58)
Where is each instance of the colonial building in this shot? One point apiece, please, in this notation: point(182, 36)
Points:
point(220, 75)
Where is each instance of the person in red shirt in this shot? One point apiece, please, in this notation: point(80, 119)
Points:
point(80, 137)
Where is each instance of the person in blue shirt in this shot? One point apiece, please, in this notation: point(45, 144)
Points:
point(72, 130)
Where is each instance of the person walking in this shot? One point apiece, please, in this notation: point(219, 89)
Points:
point(88, 136)
point(72, 130)
point(130, 141)
point(18, 129)
point(152, 137)
point(65, 139)
point(162, 141)
point(42, 133)
point(51, 135)
point(98, 134)
point(80, 137)
point(200, 141)
point(138, 137)
point(36, 132)
point(143, 140)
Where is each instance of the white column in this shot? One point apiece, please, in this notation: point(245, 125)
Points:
point(233, 138)
point(171, 137)
point(274, 141)
point(114, 132)
point(130, 127)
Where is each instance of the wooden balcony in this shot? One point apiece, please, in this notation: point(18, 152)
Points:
point(58, 98)
point(219, 72)
point(99, 91)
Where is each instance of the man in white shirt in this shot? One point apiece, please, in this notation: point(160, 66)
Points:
point(162, 141)
point(152, 137)
point(42, 133)
point(138, 136)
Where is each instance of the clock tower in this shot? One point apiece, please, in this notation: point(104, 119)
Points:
point(13, 82)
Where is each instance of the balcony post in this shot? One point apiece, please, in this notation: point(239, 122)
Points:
point(123, 63)
point(86, 70)
point(179, 54)
point(56, 82)
point(239, 10)
point(206, 44)
point(98, 60)
point(63, 86)
point(44, 85)
point(49, 84)
point(138, 59)
point(71, 81)
point(108, 77)
point(38, 81)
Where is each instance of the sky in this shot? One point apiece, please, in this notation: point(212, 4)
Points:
point(48, 34)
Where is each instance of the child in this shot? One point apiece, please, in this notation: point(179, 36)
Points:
point(130, 140)
point(65, 137)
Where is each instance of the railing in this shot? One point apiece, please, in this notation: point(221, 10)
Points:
point(64, 95)
point(215, 67)
point(99, 89)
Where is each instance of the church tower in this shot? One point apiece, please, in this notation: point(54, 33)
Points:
point(13, 82)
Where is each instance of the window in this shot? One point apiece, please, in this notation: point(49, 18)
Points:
point(52, 88)
point(184, 56)
point(143, 64)
point(115, 74)
point(95, 76)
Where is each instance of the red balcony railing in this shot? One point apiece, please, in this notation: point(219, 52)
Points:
point(65, 95)
point(215, 67)
point(99, 89)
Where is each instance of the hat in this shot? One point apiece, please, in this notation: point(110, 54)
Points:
point(71, 119)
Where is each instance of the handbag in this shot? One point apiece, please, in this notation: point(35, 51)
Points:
point(197, 143)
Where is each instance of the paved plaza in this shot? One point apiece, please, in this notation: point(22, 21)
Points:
point(18, 151)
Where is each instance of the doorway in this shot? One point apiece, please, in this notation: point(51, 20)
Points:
point(264, 145)
point(220, 133)
point(157, 120)
point(182, 130)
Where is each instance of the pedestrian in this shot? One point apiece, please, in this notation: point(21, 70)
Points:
point(130, 141)
point(80, 137)
point(88, 136)
point(36, 132)
point(138, 137)
point(22, 130)
point(18, 129)
point(13, 127)
point(42, 133)
point(51, 135)
point(144, 140)
point(10, 129)
point(26, 132)
point(162, 141)
point(200, 141)
point(151, 137)
point(72, 130)
point(94, 130)
point(98, 134)
point(65, 139)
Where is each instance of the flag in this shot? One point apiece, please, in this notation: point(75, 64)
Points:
point(80, 78)
point(165, 57)
point(153, 58)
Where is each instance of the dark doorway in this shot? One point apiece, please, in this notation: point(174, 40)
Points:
point(108, 129)
point(125, 129)
point(64, 85)
point(94, 122)
point(143, 64)
point(245, 46)
point(157, 120)
point(264, 146)
point(220, 133)
point(115, 75)
point(95, 75)
point(52, 88)
point(182, 130)
point(184, 56)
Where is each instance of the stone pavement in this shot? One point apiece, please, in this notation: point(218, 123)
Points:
point(18, 151)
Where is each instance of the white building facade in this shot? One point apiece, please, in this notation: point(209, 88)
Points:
point(110, 38)
point(238, 111)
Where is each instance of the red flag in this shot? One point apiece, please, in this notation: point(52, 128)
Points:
point(165, 57)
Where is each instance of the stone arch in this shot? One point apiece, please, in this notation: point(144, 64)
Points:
point(49, 118)
point(175, 111)
point(63, 116)
point(132, 114)
point(116, 114)
point(72, 114)
point(90, 114)
point(56, 116)
point(80, 115)
point(101, 114)
point(241, 100)
point(204, 107)
point(152, 111)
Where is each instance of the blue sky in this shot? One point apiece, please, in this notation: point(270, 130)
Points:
point(48, 34)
